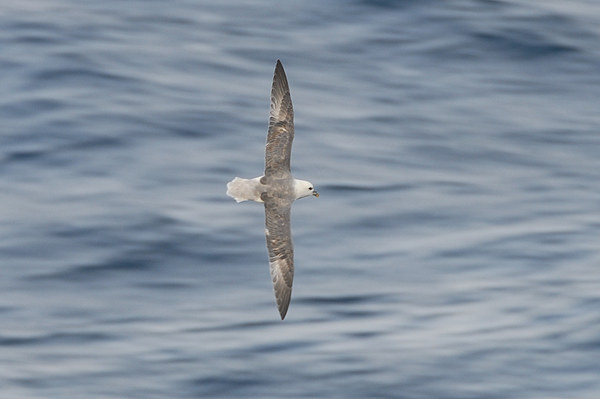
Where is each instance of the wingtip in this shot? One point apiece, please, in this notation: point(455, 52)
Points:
point(279, 67)
point(282, 313)
point(283, 306)
point(283, 302)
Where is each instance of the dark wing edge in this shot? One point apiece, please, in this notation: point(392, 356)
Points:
point(281, 253)
point(278, 150)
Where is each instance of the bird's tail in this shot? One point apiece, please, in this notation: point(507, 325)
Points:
point(244, 189)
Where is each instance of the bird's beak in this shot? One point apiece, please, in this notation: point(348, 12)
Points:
point(316, 194)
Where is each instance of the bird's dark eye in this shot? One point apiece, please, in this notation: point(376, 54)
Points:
point(310, 188)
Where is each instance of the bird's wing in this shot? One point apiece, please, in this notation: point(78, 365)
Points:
point(281, 126)
point(281, 250)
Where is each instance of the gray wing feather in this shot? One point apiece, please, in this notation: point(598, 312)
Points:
point(281, 126)
point(281, 251)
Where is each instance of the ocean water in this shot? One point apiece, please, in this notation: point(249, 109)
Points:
point(454, 251)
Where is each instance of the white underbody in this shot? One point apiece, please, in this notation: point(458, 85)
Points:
point(251, 189)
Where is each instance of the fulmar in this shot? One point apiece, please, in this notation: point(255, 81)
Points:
point(277, 189)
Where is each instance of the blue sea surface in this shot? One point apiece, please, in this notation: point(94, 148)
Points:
point(454, 251)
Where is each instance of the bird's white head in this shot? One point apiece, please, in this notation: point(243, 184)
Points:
point(304, 188)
